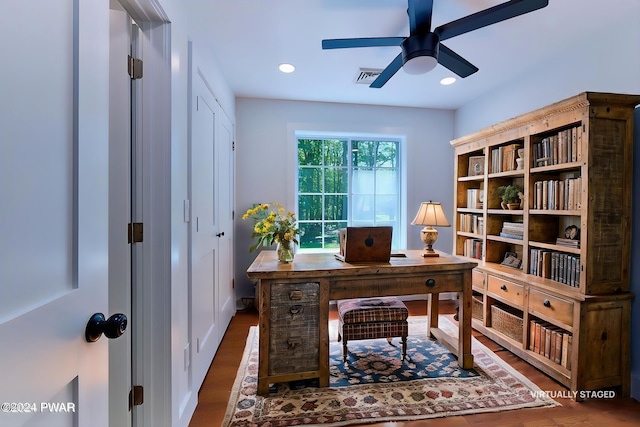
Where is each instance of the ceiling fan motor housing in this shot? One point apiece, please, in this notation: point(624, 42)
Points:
point(420, 45)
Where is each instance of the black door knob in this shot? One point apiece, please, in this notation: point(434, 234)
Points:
point(113, 327)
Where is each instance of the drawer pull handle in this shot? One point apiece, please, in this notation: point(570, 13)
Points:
point(503, 287)
point(430, 283)
point(295, 295)
point(295, 309)
point(292, 343)
point(546, 303)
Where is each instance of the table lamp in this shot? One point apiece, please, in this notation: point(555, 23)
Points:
point(430, 214)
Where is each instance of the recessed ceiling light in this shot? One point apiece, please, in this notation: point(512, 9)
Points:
point(286, 68)
point(447, 81)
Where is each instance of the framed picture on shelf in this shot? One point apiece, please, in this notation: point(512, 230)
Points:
point(476, 165)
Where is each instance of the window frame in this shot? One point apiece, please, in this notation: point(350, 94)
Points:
point(400, 227)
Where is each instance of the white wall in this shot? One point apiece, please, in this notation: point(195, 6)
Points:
point(600, 64)
point(608, 63)
point(266, 159)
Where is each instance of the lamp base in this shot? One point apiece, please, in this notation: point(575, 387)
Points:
point(429, 254)
point(429, 235)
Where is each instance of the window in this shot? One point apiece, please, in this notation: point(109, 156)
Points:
point(347, 182)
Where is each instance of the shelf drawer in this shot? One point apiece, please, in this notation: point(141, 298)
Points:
point(509, 291)
point(477, 279)
point(551, 306)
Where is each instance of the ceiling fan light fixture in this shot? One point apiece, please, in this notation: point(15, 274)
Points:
point(420, 65)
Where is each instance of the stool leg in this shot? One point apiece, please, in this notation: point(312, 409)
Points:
point(404, 347)
point(344, 350)
point(389, 339)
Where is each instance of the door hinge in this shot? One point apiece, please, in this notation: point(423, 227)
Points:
point(136, 396)
point(135, 232)
point(135, 67)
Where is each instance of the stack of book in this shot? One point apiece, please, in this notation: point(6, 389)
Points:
point(512, 230)
point(550, 341)
point(475, 198)
point(571, 243)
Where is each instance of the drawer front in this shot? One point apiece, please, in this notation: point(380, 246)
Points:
point(551, 306)
point(393, 286)
point(294, 336)
point(477, 279)
point(509, 291)
point(294, 344)
point(286, 294)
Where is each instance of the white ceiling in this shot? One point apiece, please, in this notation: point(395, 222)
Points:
point(249, 38)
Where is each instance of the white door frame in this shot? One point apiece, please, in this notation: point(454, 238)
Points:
point(152, 314)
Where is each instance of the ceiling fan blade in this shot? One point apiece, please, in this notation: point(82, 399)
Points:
point(387, 73)
point(362, 42)
point(490, 16)
point(455, 62)
point(420, 12)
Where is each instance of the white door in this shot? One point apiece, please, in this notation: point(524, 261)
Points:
point(225, 205)
point(205, 334)
point(54, 208)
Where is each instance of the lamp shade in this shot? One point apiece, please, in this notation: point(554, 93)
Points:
point(431, 213)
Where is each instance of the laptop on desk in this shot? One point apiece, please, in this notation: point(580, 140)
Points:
point(365, 244)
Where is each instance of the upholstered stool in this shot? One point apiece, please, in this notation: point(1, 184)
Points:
point(370, 318)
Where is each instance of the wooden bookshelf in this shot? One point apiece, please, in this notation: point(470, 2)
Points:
point(571, 236)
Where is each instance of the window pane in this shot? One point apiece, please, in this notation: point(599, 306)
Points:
point(362, 181)
point(332, 234)
point(335, 152)
point(336, 180)
point(362, 208)
point(310, 180)
point(387, 181)
point(335, 207)
point(386, 209)
point(387, 154)
point(310, 208)
point(309, 152)
point(310, 234)
point(362, 153)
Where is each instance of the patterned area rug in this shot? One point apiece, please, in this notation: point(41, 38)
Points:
point(376, 386)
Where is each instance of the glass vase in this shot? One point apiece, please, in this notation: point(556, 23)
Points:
point(285, 252)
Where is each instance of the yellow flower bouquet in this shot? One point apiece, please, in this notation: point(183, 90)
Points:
point(273, 224)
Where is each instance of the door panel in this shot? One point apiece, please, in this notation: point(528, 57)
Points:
point(54, 192)
point(204, 226)
point(225, 172)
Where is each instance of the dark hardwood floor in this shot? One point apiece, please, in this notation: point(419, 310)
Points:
point(214, 394)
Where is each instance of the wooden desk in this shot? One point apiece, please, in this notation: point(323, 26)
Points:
point(294, 306)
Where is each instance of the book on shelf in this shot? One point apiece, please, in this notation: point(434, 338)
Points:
point(565, 146)
point(511, 236)
point(567, 342)
point(475, 198)
point(572, 243)
point(558, 194)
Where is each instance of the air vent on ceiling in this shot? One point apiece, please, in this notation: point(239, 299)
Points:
point(366, 76)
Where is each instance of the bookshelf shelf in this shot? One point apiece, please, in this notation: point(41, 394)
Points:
point(571, 274)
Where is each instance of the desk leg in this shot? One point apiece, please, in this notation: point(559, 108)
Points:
point(433, 310)
point(465, 357)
